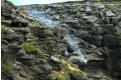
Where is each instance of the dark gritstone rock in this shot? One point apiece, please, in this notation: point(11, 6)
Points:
point(31, 50)
point(18, 23)
point(112, 41)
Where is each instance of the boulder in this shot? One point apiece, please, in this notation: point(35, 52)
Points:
point(37, 69)
point(91, 19)
point(23, 74)
point(88, 9)
point(19, 23)
point(72, 24)
point(109, 29)
point(101, 6)
point(115, 21)
point(10, 35)
point(76, 59)
point(55, 59)
point(27, 57)
point(12, 49)
point(110, 14)
point(46, 67)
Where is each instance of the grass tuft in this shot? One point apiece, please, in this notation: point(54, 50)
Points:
point(6, 68)
point(29, 49)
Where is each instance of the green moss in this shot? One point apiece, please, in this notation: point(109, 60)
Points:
point(58, 29)
point(77, 73)
point(35, 22)
point(4, 30)
point(48, 31)
point(26, 69)
point(30, 49)
point(58, 76)
point(95, 0)
point(35, 76)
point(6, 68)
point(3, 27)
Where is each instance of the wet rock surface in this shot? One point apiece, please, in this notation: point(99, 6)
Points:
point(33, 51)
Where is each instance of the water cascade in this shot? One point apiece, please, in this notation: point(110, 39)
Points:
point(45, 19)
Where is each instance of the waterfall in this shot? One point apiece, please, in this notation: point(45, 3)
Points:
point(75, 48)
point(45, 19)
point(41, 17)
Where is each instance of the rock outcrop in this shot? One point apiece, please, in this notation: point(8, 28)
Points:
point(98, 31)
point(33, 51)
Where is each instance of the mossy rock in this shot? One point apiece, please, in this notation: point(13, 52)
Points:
point(35, 22)
point(3, 27)
point(70, 68)
point(57, 76)
point(35, 75)
point(6, 68)
point(4, 30)
point(48, 32)
point(95, 0)
point(26, 69)
point(29, 49)
point(58, 30)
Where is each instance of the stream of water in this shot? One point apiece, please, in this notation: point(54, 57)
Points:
point(46, 20)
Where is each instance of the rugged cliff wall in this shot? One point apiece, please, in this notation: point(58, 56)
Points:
point(97, 27)
point(33, 51)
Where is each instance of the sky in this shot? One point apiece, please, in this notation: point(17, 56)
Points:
point(26, 2)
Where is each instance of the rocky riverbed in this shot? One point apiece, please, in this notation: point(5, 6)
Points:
point(34, 45)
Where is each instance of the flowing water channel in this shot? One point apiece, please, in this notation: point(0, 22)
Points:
point(43, 18)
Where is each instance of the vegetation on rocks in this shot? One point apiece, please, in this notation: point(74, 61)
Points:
point(70, 68)
point(3, 27)
point(12, 5)
point(58, 29)
point(34, 22)
point(57, 76)
point(41, 53)
point(29, 49)
point(35, 76)
point(48, 32)
point(6, 68)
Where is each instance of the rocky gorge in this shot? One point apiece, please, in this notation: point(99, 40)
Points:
point(61, 41)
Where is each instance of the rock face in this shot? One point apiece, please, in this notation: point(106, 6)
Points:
point(33, 51)
point(96, 30)
point(27, 46)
